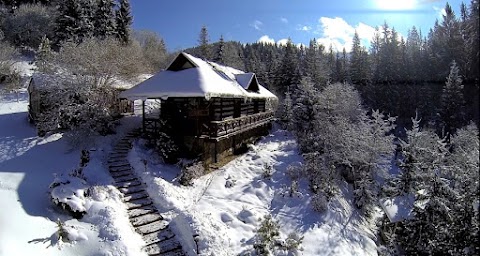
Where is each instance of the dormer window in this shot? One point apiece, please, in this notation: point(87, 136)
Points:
point(181, 63)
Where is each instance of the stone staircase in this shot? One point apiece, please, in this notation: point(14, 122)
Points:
point(143, 215)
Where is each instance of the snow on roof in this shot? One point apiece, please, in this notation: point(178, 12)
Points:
point(43, 80)
point(206, 79)
point(123, 84)
point(398, 208)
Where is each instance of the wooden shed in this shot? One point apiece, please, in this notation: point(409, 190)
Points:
point(42, 86)
point(212, 108)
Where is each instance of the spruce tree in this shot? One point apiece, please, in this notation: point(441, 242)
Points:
point(69, 22)
point(452, 108)
point(287, 74)
point(203, 41)
point(44, 56)
point(123, 19)
point(355, 60)
point(220, 54)
point(104, 19)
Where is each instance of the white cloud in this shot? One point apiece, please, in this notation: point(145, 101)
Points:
point(440, 11)
point(282, 41)
point(304, 28)
point(256, 24)
point(336, 28)
point(266, 40)
point(338, 33)
point(284, 20)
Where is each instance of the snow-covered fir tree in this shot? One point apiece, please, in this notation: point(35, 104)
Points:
point(452, 108)
point(123, 21)
point(203, 43)
point(44, 56)
point(220, 51)
point(104, 19)
point(371, 156)
point(69, 22)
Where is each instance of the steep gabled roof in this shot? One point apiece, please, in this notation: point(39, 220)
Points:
point(248, 81)
point(188, 76)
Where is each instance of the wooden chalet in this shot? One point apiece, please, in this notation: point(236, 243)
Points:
point(213, 109)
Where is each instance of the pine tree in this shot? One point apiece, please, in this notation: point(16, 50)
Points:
point(464, 165)
point(304, 102)
point(359, 63)
point(472, 31)
point(287, 111)
point(123, 21)
point(44, 56)
point(372, 151)
point(104, 19)
point(452, 109)
point(356, 60)
point(316, 67)
point(203, 43)
point(287, 75)
point(69, 22)
point(220, 54)
point(450, 40)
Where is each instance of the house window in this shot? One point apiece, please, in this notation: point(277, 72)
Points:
point(237, 108)
point(255, 106)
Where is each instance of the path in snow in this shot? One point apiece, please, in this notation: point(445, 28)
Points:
point(143, 215)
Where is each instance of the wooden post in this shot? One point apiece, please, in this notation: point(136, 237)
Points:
point(143, 117)
point(216, 157)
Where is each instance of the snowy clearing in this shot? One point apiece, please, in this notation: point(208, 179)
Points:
point(28, 165)
point(224, 207)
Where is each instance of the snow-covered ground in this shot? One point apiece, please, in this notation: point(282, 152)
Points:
point(28, 165)
point(226, 218)
point(222, 209)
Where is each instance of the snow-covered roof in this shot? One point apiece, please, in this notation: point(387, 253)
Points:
point(43, 80)
point(189, 76)
point(398, 208)
point(123, 84)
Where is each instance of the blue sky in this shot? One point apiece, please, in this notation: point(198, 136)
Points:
point(330, 22)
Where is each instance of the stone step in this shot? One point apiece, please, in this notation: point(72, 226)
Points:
point(134, 196)
point(152, 227)
point(132, 190)
point(116, 159)
point(163, 247)
point(123, 145)
point(119, 164)
point(116, 174)
point(121, 152)
point(158, 236)
point(138, 203)
point(142, 211)
point(120, 168)
point(131, 177)
point(128, 184)
point(176, 252)
point(145, 219)
point(117, 154)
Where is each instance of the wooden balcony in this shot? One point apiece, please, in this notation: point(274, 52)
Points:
point(221, 129)
point(214, 129)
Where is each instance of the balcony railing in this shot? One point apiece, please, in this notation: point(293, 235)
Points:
point(237, 125)
point(213, 129)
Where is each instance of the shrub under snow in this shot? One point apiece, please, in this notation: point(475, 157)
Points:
point(70, 193)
